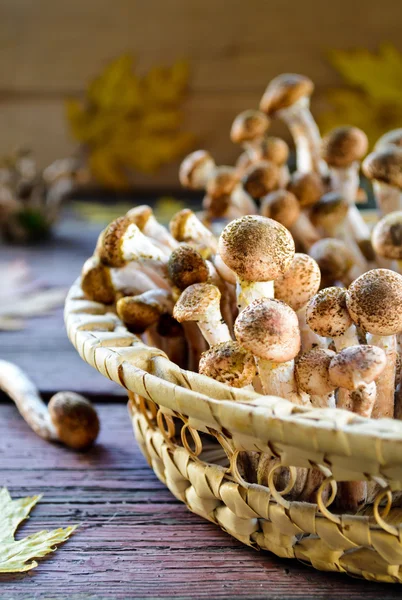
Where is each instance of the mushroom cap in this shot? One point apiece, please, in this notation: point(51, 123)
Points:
point(374, 301)
point(327, 313)
point(75, 419)
point(137, 312)
point(275, 149)
point(217, 207)
point(300, 282)
point(269, 329)
point(229, 363)
point(248, 126)
point(194, 169)
point(284, 90)
point(198, 302)
point(282, 206)
point(307, 187)
point(96, 282)
point(311, 371)
point(344, 145)
point(356, 366)
point(186, 266)
point(256, 248)
point(386, 236)
point(333, 257)
point(329, 211)
point(385, 165)
point(140, 215)
point(110, 253)
point(222, 182)
point(186, 227)
point(393, 138)
point(260, 178)
point(244, 160)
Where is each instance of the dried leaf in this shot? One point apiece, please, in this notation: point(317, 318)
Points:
point(14, 555)
point(374, 100)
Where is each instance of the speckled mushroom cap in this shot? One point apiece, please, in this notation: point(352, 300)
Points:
point(269, 329)
point(386, 236)
point(333, 257)
point(327, 313)
point(311, 371)
point(197, 303)
point(222, 182)
point(275, 149)
point(195, 168)
point(75, 419)
point(300, 282)
point(110, 252)
point(374, 301)
point(140, 215)
point(186, 266)
point(282, 206)
point(344, 145)
point(229, 363)
point(283, 91)
point(385, 165)
point(136, 312)
point(260, 178)
point(256, 248)
point(96, 281)
point(329, 211)
point(356, 366)
point(249, 125)
point(391, 138)
point(307, 187)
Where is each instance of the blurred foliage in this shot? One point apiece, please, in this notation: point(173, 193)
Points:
point(95, 212)
point(373, 98)
point(129, 122)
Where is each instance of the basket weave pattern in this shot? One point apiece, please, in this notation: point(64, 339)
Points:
point(192, 430)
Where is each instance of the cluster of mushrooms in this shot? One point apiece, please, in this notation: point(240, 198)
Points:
point(296, 297)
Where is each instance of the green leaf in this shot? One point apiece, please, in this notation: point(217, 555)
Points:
point(15, 555)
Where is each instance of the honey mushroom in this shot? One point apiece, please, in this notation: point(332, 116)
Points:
point(225, 196)
point(335, 260)
point(69, 418)
point(260, 178)
point(391, 138)
point(386, 238)
point(186, 227)
point(200, 302)
point(296, 287)
point(312, 376)
point(374, 302)
point(270, 330)
point(308, 189)
point(248, 130)
point(258, 250)
point(145, 220)
point(355, 369)
point(276, 150)
point(196, 169)
point(288, 97)
point(282, 206)
point(229, 363)
point(384, 168)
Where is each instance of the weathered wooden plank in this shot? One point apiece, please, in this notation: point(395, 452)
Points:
point(148, 546)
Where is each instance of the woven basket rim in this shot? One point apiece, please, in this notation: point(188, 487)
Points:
point(337, 431)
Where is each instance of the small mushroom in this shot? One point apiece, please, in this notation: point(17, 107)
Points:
point(386, 237)
point(308, 189)
point(69, 418)
point(145, 220)
point(261, 178)
point(258, 250)
point(225, 197)
point(312, 376)
point(229, 363)
point(288, 97)
point(196, 169)
point(276, 150)
point(281, 206)
point(296, 287)
point(335, 260)
point(384, 168)
point(186, 227)
point(270, 330)
point(143, 310)
point(374, 302)
point(200, 302)
point(248, 130)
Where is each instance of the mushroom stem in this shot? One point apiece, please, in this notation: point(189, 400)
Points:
point(278, 379)
point(248, 291)
point(304, 231)
point(309, 339)
point(384, 404)
point(388, 197)
point(349, 338)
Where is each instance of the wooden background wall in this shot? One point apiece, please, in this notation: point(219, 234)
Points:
point(49, 49)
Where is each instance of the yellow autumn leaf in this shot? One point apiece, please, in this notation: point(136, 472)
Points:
point(17, 555)
point(104, 166)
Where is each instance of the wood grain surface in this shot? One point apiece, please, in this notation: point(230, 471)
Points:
point(50, 50)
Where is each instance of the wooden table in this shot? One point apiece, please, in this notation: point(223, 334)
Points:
point(135, 539)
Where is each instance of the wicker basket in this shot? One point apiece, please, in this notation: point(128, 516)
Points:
point(192, 430)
